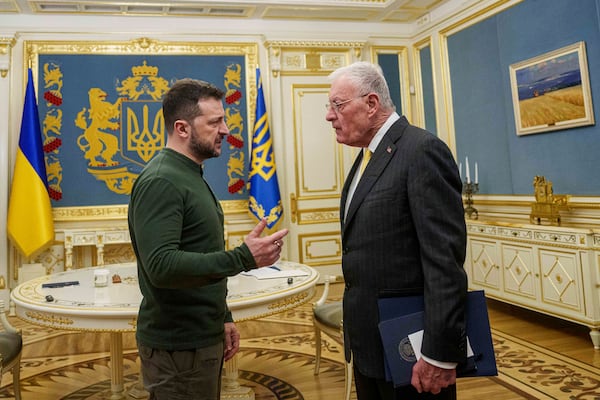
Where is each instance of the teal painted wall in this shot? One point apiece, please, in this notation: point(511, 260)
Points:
point(390, 66)
point(479, 60)
point(427, 86)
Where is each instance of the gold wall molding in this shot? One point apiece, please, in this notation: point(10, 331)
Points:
point(319, 216)
point(305, 57)
point(314, 44)
point(142, 46)
point(119, 212)
point(6, 43)
point(89, 213)
point(235, 206)
point(145, 45)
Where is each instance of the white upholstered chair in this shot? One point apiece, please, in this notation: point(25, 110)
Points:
point(11, 346)
point(327, 318)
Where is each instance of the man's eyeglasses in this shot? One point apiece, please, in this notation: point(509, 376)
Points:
point(337, 105)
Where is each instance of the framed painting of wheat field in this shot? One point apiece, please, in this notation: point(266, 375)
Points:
point(552, 91)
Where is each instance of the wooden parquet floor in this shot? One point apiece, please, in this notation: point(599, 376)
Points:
point(538, 358)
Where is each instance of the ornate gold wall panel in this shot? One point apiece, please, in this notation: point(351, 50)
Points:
point(316, 164)
point(318, 169)
point(6, 43)
point(319, 216)
point(311, 57)
point(323, 248)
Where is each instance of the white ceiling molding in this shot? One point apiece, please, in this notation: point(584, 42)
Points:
point(394, 11)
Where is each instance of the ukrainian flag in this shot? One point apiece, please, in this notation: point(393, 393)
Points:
point(30, 225)
point(265, 199)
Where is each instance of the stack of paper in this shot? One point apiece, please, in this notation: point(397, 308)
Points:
point(273, 272)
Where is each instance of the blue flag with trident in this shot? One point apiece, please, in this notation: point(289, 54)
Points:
point(265, 199)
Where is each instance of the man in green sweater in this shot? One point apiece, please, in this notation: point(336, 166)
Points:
point(185, 330)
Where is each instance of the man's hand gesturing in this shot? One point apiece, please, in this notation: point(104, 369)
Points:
point(266, 250)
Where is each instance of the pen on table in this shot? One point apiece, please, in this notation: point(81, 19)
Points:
point(275, 268)
point(59, 284)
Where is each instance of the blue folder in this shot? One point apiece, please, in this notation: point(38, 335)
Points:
point(402, 316)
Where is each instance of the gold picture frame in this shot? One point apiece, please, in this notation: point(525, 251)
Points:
point(552, 91)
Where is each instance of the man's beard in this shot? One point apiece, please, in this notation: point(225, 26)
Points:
point(200, 148)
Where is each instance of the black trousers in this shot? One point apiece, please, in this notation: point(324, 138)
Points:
point(378, 389)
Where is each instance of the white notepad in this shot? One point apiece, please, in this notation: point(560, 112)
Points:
point(273, 272)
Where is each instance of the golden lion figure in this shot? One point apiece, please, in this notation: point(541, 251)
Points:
point(94, 142)
point(53, 122)
point(53, 77)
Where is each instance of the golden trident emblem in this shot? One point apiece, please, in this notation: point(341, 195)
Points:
point(145, 138)
point(145, 142)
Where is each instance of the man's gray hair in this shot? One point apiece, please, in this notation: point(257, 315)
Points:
point(367, 78)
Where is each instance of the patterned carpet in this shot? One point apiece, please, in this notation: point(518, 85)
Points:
point(277, 362)
point(542, 373)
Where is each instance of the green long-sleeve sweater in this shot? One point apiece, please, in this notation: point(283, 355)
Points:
point(176, 228)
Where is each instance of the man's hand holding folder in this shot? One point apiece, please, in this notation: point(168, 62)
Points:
point(402, 317)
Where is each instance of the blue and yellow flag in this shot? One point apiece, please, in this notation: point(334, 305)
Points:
point(265, 199)
point(30, 225)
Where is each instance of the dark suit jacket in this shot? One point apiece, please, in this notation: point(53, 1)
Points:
point(405, 233)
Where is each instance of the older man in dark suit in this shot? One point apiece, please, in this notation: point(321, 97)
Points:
point(403, 232)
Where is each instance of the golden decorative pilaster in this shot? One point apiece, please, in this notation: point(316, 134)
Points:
point(6, 44)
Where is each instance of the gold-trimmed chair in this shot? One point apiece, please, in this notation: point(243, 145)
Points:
point(11, 346)
point(327, 318)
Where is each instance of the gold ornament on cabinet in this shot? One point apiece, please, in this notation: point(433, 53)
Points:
point(547, 204)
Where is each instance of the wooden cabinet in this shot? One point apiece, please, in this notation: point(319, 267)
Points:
point(549, 269)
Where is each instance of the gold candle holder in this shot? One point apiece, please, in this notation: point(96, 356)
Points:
point(469, 189)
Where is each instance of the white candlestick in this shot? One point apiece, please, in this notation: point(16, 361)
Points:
point(467, 170)
point(460, 170)
point(476, 173)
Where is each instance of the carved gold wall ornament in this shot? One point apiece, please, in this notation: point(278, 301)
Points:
point(6, 43)
point(547, 204)
point(311, 57)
